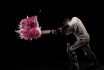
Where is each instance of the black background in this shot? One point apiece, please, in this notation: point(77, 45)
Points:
point(51, 49)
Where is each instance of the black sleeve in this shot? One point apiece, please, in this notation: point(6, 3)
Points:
point(65, 27)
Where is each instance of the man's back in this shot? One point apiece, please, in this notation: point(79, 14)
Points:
point(77, 28)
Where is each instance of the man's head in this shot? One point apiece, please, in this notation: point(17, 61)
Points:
point(66, 21)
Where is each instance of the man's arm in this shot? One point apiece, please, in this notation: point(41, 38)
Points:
point(55, 31)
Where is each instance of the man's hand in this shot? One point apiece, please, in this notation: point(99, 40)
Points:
point(69, 47)
point(53, 31)
point(59, 30)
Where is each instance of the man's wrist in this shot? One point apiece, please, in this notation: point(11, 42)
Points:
point(53, 31)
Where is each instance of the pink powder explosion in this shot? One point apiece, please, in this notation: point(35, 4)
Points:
point(29, 28)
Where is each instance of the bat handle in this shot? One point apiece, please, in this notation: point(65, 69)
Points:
point(52, 31)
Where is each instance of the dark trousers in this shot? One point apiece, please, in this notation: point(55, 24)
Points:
point(87, 51)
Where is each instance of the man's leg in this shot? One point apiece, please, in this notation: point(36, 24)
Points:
point(78, 44)
point(72, 58)
point(91, 56)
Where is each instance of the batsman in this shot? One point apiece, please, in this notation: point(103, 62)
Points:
point(76, 27)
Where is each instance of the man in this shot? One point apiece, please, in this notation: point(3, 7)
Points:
point(76, 27)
